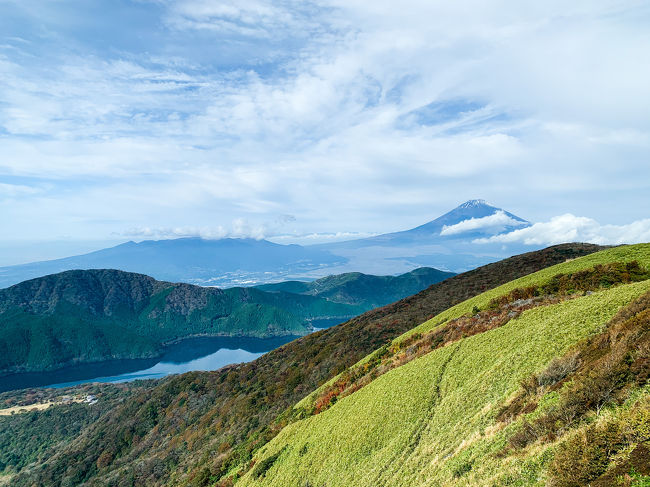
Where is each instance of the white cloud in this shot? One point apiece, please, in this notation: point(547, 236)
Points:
point(498, 220)
point(269, 107)
point(570, 228)
point(263, 19)
point(14, 190)
point(240, 228)
point(317, 238)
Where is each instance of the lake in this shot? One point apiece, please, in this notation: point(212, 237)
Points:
point(203, 353)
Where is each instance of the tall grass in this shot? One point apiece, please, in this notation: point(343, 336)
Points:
point(624, 253)
point(431, 421)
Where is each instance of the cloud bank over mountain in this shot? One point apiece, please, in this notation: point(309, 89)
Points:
point(571, 228)
point(353, 116)
point(496, 221)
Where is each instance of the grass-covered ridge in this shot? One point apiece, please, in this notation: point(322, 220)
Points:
point(639, 253)
point(499, 312)
point(361, 440)
point(424, 422)
point(192, 429)
point(623, 253)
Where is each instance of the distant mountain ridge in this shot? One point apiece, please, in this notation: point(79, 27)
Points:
point(100, 314)
point(193, 260)
point(432, 231)
point(447, 243)
point(363, 289)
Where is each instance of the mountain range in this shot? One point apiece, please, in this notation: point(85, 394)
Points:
point(193, 260)
point(362, 289)
point(95, 315)
point(446, 243)
point(529, 371)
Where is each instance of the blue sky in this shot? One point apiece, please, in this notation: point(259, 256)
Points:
point(154, 118)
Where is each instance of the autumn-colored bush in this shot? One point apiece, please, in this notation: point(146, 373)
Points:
point(558, 369)
point(587, 454)
point(602, 368)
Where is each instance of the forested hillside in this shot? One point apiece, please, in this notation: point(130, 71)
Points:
point(95, 315)
point(200, 428)
point(363, 289)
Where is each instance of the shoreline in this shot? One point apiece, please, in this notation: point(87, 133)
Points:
point(164, 345)
point(17, 370)
point(177, 352)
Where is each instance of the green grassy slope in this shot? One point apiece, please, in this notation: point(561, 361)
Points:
point(432, 421)
point(639, 253)
point(626, 253)
point(363, 289)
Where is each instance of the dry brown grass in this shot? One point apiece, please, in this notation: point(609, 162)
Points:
point(39, 406)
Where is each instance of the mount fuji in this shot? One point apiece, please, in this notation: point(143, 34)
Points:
point(447, 243)
point(470, 220)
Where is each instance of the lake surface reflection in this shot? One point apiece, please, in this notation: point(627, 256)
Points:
point(202, 353)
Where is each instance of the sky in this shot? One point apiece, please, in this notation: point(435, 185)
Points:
point(311, 121)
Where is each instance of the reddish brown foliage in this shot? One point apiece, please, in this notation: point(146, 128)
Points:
point(499, 312)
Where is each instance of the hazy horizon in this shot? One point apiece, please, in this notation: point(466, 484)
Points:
point(318, 121)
